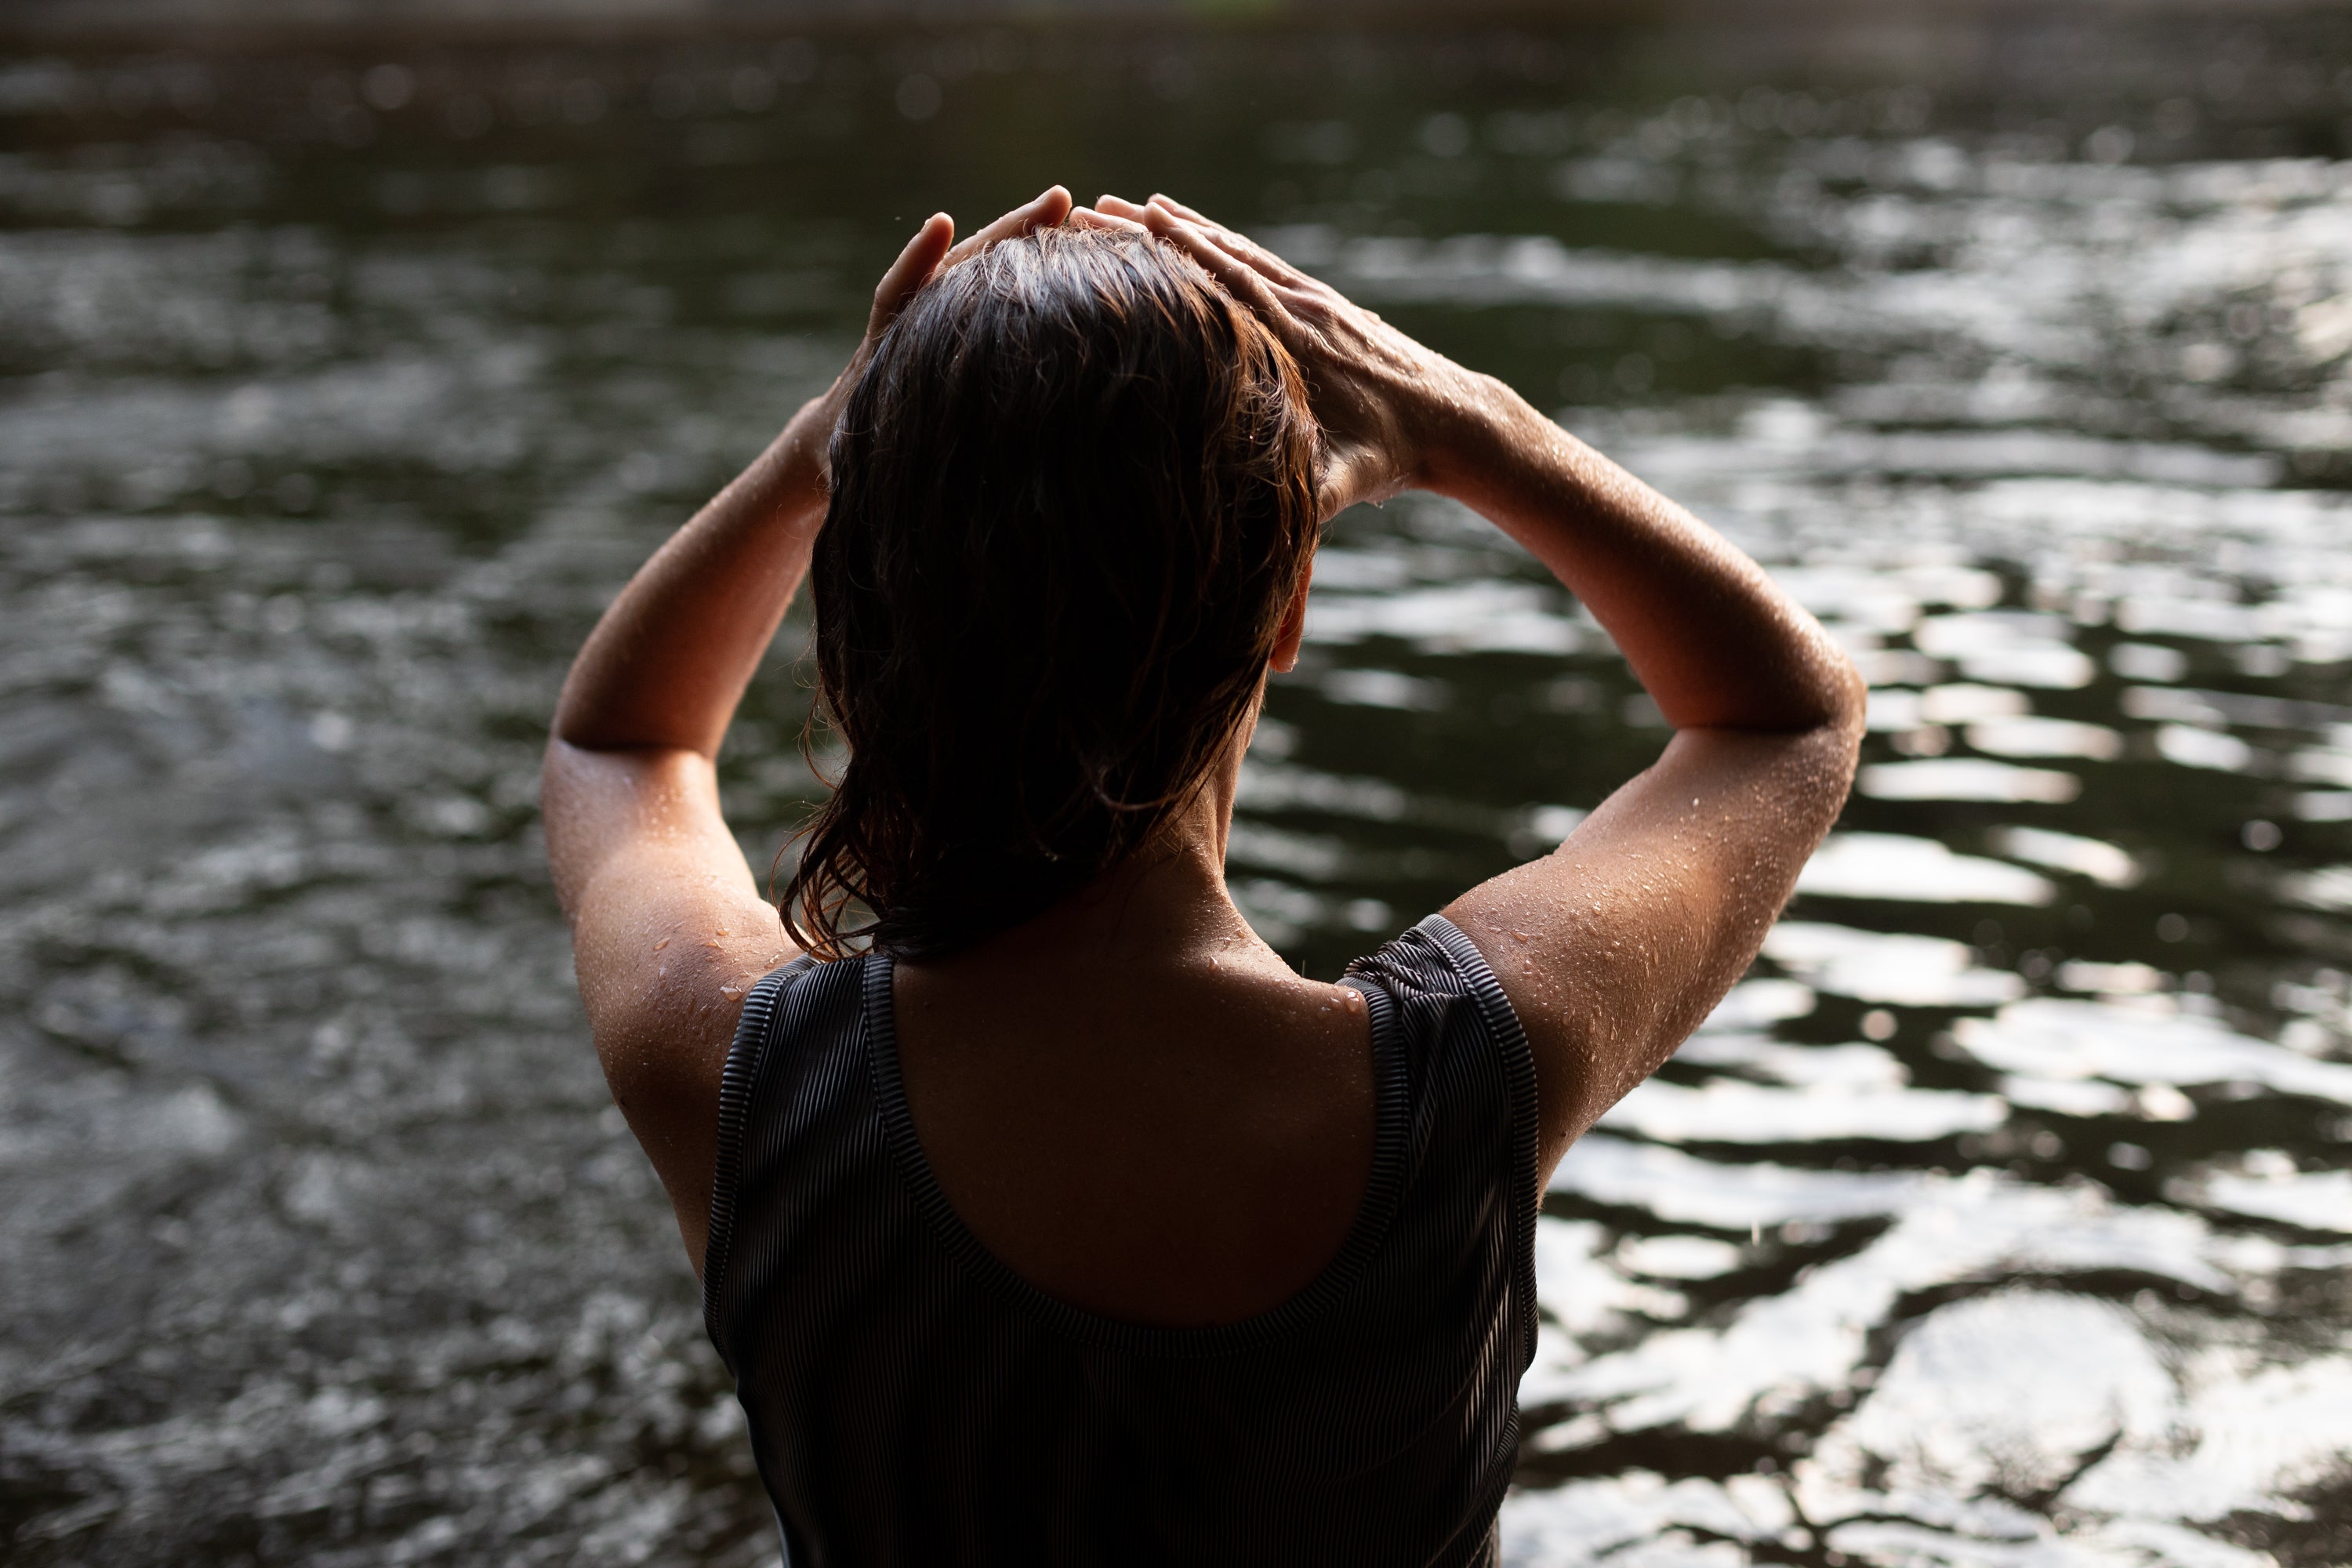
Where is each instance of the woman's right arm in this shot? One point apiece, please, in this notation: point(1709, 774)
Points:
point(1613, 947)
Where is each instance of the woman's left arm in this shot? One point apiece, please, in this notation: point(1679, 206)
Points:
point(668, 928)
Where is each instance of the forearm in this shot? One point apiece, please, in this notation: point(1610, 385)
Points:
point(1717, 644)
point(670, 657)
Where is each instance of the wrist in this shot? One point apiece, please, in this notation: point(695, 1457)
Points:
point(801, 445)
point(1474, 421)
point(792, 471)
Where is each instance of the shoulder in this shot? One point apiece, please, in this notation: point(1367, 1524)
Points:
point(1461, 1060)
point(1454, 1037)
point(1471, 1112)
point(786, 1011)
point(662, 1033)
point(1432, 973)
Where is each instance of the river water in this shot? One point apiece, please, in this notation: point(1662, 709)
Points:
point(2001, 1218)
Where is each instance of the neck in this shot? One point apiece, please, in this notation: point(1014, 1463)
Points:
point(1166, 907)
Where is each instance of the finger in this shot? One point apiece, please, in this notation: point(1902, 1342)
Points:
point(916, 263)
point(1262, 261)
point(1162, 199)
point(1050, 207)
point(1244, 247)
point(1044, 212)
point(1300, 300)
point(1334, 495)
point(1119, 207)
point(1350, 472)
point(1224, 233)
point(1092, 218)
point(1241, 280)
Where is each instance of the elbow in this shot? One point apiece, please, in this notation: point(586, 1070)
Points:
point(1848, 720)
point(556, 816)
point(1851, 705)
point(575, 721)
point(1841, 749)
point(1832, 747)
point(1840, 698)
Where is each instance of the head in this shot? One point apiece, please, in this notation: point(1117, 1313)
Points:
point(1073, 506)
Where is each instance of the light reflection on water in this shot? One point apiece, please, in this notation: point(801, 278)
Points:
point(2002, 1217)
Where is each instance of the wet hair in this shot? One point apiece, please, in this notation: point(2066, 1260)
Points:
point(1073, 496)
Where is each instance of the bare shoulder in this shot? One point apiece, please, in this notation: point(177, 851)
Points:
point(668, 934)
point(1613, 947)
point(663, 1019)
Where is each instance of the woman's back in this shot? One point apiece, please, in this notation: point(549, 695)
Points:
point(916, 1398)
point(1145, 1115)
point(1046, 1215)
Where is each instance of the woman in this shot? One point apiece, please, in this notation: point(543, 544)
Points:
point(1069, 1224)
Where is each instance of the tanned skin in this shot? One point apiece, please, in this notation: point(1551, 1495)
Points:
point(1131, 1099)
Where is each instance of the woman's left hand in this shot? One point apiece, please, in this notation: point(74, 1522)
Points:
point(933, 247)
point(668, 927)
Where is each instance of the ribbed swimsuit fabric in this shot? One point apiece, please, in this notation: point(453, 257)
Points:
point(913, 1401)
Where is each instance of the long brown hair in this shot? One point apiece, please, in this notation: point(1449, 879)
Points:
point(1073, 495)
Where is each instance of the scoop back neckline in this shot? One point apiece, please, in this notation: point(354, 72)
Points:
point(1383, 1187)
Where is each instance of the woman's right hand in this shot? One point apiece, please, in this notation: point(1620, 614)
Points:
point(1391, 408)
point(1614, 946)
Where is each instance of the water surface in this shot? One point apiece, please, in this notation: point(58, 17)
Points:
point(2000, 1217)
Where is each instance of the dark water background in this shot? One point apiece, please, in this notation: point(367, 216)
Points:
point(2002, 1220)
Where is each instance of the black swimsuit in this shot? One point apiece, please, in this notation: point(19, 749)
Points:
point(914, 1402)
